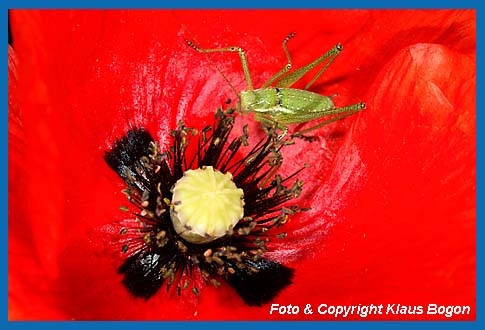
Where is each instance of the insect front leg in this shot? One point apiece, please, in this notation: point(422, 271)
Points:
point(296, 75)
point(287, 66)
point(242, 56)
point(268, 123)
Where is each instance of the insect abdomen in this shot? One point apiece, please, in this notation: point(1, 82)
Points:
point(296, 100)
point(286, 105)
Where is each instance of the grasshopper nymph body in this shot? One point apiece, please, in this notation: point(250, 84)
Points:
point(282, 105)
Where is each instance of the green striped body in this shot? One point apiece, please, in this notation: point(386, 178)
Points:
point(285, 105)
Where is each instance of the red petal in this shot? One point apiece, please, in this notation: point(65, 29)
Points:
point(407, 178)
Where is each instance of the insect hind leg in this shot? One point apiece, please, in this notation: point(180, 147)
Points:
point(296, 75)
point(340, 113)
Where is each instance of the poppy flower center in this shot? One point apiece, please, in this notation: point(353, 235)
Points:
point(217, 218)
point(206, 205)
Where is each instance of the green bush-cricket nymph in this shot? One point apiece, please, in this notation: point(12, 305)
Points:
point(277, 103)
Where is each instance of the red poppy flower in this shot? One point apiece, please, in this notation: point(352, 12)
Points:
point(391, 190)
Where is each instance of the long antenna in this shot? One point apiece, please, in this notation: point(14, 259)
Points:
point(212, 63)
